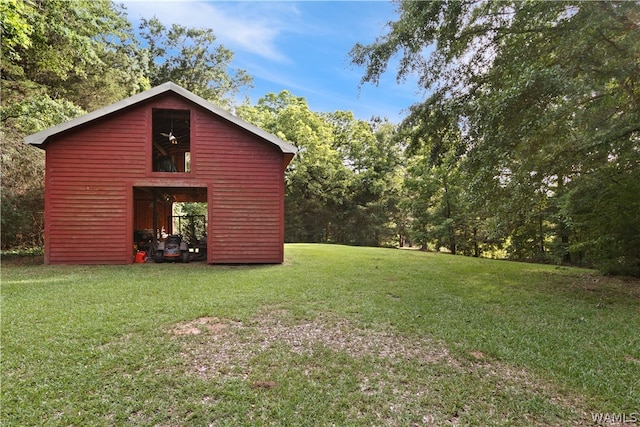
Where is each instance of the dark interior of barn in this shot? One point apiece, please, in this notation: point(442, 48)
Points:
point(155, 219)
point(171, 133)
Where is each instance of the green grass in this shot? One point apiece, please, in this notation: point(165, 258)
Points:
point(335, 335)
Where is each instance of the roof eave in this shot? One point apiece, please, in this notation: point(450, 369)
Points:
point(39, 138)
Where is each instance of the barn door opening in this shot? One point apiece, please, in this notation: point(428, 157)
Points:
point(161, 214)
point(190, 220)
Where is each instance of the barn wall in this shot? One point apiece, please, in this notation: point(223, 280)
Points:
point(91, 173)
point(246, 194)
point(88, 201)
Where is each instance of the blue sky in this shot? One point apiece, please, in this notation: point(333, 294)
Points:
point(301, 46)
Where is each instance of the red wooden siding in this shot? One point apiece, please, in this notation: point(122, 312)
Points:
point(246, 198)
point(88, 201)
point(92, 170)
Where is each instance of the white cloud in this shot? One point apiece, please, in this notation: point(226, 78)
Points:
point(300, 46)
point(252, 26)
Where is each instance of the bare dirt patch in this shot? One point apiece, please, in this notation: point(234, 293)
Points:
point(212, 325)
point(222, 350)
point(228, 346)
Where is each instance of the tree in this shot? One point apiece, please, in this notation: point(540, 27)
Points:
point(189, 57)
point(60, 59)
point(316, 179)
point(441, 208)
point(56, 61)
point(372, 154)
point(61, 49)
point(590, 204)
point(344, 184)
point(547, 97)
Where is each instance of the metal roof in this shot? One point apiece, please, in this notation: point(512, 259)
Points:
point(41, 137)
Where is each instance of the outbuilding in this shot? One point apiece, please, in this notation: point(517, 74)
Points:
point(113, 175)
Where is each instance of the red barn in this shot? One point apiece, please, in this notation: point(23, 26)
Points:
point(113, 175)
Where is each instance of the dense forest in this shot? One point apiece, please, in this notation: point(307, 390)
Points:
point(526, 146)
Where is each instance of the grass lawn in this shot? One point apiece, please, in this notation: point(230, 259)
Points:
point(336, 335)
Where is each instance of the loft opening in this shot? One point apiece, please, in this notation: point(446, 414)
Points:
point(171, 137)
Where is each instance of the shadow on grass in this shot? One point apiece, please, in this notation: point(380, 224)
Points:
point(22, 260)
point(592, 287)
point(30, 260)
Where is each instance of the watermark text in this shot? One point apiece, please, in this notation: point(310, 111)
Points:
point(604, 418)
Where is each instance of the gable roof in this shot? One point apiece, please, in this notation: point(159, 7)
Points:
point(41, 137)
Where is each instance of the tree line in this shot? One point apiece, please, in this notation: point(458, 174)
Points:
point(529, 139)
point(527, 145)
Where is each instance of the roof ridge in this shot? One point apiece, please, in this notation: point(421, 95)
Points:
point(41, 137)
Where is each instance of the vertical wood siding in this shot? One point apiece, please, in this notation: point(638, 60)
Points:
point(91, 172)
